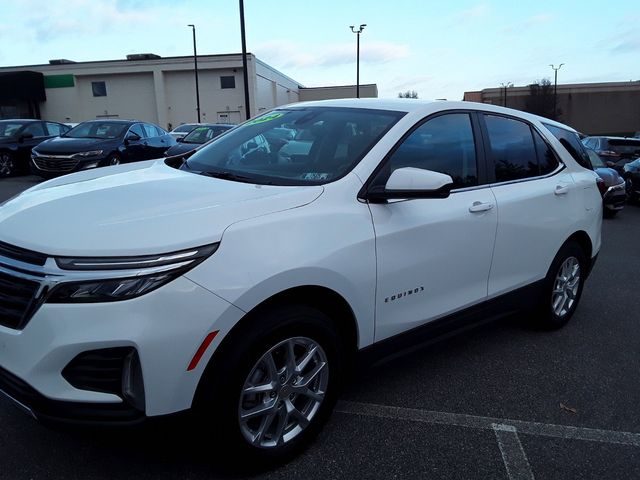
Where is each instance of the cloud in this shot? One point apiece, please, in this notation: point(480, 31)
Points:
point(528, 23)
point(627, 42)
point(475, 12)
point(286, 54)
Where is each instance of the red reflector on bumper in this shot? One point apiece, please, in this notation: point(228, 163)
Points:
point(203, 348)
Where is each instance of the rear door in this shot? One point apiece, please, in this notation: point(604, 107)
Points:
point(537, 202)
point(434, 255)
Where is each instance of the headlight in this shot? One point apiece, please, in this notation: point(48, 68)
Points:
point(92, 153)
point(123, 278)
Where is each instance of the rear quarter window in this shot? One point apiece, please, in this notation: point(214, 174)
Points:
point(572, 144)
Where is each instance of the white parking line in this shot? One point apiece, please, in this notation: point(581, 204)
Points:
point(513, 456)
point(486, 423)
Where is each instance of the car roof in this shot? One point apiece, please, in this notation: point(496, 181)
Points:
point(410, 105)
point(112, 120)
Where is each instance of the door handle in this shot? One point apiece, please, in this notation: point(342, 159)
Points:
point(480, 207)
point(561, 189)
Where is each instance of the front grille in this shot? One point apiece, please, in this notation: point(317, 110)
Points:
point(17, 298)
point(22, 254)
point(52, 164)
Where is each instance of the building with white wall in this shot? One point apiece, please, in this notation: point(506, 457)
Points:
point(159, 90)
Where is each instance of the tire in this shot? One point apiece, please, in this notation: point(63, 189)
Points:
point(562, 287)
point(113, 160)
point(632, 197)
point(244, 361)
point(606, 213)
point(7, 164)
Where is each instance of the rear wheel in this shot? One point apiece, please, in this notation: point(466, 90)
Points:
point(630, 188)
point(609, 213)
point(272, 386)
point(562, 287)
point(7, 164)
point(114, 160)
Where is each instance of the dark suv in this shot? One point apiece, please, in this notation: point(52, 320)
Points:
point(18, 137)
point(614, 151)
point(99, 143)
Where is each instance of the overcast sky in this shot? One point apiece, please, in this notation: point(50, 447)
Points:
point(438, 48)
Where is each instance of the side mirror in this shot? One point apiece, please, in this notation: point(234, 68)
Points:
point(131, 137)
point(24, 136)
point(409, 182)
point(180, 139)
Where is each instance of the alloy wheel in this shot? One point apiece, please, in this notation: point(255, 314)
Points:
point(6, 165)
point(283, 392)
point(565, 287)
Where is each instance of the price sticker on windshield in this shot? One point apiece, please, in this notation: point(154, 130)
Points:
point(265, 118)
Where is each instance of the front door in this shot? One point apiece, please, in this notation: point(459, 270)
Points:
point(434, 255)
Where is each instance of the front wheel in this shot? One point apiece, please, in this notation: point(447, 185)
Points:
point(272, 388)
point(562, 287)
point(114, 160)
point(7, 164)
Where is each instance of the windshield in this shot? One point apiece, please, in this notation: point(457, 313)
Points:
point(596, 161)
point(626, 146)
point(203, 134)
point(258, 151)
point(103, 130)
point(187, 127)
point(9, 129)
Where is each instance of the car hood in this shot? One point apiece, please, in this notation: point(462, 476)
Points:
point(135, 209)
point(610, 176)
point(182, 148)
point(65, 145)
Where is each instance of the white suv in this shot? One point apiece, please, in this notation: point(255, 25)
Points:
point(242, 284)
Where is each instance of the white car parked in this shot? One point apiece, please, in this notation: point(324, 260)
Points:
point(243, 286)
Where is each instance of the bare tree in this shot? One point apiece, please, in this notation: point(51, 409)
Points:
point(541, 99)
point(408, 94)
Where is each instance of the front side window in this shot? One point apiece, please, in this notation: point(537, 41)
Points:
point(138, 130)
point(252, 151)
point(511, 148)
point(444, 144)
point(35, 129)
point(56, 128)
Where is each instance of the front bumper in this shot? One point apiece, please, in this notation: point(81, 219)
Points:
point(165, 328)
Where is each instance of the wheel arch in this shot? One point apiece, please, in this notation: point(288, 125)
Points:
point(326, 300)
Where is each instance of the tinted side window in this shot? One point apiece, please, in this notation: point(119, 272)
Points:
point(56, 128)
point(137, 129)
point(571, 142)
point(443, 144)
point(546, 158)
point(150, 130)
point(512, 148)
point(35, 129)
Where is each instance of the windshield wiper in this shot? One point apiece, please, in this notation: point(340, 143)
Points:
point(227, 176)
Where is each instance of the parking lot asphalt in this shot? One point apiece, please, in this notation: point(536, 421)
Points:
point(502, 401)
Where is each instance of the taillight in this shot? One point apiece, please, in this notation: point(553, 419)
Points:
point(601, 186)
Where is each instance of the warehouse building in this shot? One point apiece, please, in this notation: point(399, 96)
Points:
point(610, 108)
point(154, 89)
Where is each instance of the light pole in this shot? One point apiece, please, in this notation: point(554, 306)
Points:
point(358, 32)
point(245, 74)
point(555, 90)
point(505, 86)
point(195, 68)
